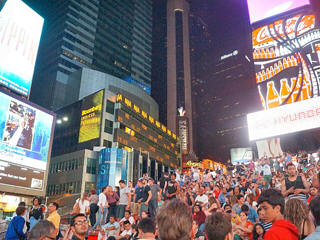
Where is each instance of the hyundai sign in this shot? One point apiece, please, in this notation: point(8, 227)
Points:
point(20, 32)
point(284, 119)
point(262, 9)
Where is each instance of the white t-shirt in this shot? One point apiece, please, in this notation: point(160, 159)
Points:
point(102, 200)
point(131, 220)
point(203, 198)
point(125, 232)
point(83, 205)
point(266, 170)
point(124, 196)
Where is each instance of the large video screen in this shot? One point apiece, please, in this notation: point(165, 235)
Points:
point(20, 32)
point(285, 119)
point(25, 143)
point(286, 56)
point(262, 9)
point(91, 110)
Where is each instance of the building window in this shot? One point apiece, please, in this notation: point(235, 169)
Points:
point(110, 107)
point(107, 144)
point(91, 166)
point(108, 126)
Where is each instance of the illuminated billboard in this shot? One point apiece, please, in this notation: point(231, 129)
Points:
point(20, 32)
point(25, 144)
point(286, 59)
point(285, 119)
point(90, 122)
point(262, 9)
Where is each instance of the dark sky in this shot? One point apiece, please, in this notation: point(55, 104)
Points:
point(228, 22)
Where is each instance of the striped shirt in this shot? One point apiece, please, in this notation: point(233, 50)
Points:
point(266, 226)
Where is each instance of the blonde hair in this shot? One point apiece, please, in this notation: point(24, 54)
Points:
point(296, 212)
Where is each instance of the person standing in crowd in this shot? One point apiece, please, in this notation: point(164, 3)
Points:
point(78, 228)
point(202, 199)
point(43, 230)
point(315, 210)
point(272, 205)
point(153, 203)
point(16, 225)
point(297, 212)
point(93, 198)
point(222, 196)
point(294, 186)
point(25, 216)
point(35, 214)
point(112, 199)
point(54, 216)
point(147, 229)
point(103, 208)
point(146, 197)
point(124, 200)
point(172, 189)
point(174, 221)
point(138, 197)
point(83, 204)
point(199, 216)
point(218, 227)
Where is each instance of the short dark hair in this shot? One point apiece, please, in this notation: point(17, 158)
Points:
point(103, 188)
point(122, 181)
point(245, 208)
point(42, 228)
point(239, 196)
point(55, 204)
point(174, 220)
point(20, 210)
point(217, 226)
point(174, 174)
point(112, 216)
point(315, 209)
point(126, 222)
point(21, 204)
point(290, 164)
point(73, 219)
point(273, 197)
point(147, 225)
point(227, 205)
point(128, 211)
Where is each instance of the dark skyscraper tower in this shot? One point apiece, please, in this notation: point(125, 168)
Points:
point(111, 36)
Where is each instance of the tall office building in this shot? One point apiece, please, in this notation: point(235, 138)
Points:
point(171, 63)
point(110, 36)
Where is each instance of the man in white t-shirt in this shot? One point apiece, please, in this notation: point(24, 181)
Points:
point(202, 198)
point(127, 232)
point(103, 208)
point(124, 200)
point(127, 217)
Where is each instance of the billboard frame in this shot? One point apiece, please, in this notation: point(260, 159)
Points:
point(22, 190)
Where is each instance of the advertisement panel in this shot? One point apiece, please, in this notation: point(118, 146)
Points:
point(90, 122)
point(183, 129)
point(20, 32)
point(262, 9)
point(284, 119)
point(25, 143)
point(241, 154)
point(286, 60)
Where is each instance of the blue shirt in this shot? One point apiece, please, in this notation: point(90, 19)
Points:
point(139, 193)
point(252, 216)
point(18, 223)
point(222, 198)
point(315, 235)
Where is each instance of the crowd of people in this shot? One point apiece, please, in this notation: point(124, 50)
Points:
point(263, 199)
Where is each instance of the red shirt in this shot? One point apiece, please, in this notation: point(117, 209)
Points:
point(216, 193)
point(282, 230)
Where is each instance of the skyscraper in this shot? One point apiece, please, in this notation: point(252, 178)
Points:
point(110, 36)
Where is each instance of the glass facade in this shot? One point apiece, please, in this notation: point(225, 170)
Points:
point(111, 36)
point(113, 166)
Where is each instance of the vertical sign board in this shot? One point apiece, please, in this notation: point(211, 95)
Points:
point(20, 32)
point(183, 130)
point(25, 145)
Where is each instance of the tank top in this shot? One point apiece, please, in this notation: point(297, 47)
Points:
point(171, 188)
point(295, 184)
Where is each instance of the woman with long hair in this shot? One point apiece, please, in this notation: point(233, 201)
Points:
point(244, 228)
point(112, 199)
point(94, 198)
point(298, 213)
point(258, 232)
